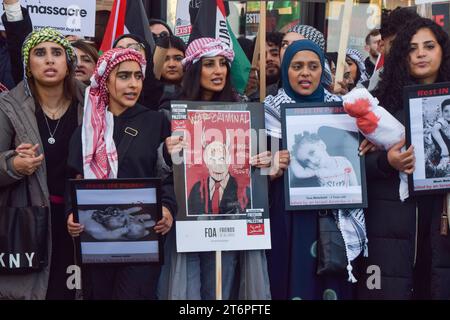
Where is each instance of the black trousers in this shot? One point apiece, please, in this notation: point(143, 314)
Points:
point(120, 282)
point(62, 256)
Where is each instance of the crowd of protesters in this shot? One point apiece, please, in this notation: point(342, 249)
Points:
point(63, 110)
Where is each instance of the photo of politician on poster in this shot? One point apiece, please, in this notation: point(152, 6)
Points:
point(220, 183)
point(217, 189)
point(325, 171)
point(428, 130)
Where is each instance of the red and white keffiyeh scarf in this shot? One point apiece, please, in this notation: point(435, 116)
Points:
point(207, 47)
point(3, 88)
point(100, 159)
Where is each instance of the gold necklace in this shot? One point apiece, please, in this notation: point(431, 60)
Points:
point(52, 114)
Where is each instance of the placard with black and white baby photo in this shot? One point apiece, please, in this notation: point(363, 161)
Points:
point(118, 218)
point(428, 130)
point(325, 171)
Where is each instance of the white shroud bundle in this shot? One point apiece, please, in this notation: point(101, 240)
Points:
point(376, 124)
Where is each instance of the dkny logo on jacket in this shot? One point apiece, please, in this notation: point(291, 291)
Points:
point(16, 260)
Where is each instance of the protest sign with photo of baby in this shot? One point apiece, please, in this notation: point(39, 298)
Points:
point(428, 130)
point(118, 218)
point(325, 169)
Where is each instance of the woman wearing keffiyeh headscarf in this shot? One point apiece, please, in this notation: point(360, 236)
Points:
point(358, 72)
point(38, 118)
point(119, 138)
point(292, 260)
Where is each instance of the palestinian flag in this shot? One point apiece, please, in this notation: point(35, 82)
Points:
point(288, 14)
point(211, 22)
point(380, 62)
point(127, 16)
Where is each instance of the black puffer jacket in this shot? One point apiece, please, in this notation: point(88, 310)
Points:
point(5, 66)
point(404, 239)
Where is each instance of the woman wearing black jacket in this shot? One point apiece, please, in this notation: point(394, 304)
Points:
point(404, 239)
point(112, 99)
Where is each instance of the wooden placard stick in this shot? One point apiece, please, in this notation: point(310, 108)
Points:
point(343, 42)
point(447, 200)
point(262, 49)
point(218, 275)
point(158, 61)
point(255, 60)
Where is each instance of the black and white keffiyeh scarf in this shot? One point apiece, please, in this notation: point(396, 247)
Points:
point(272, 110)
point(310, 33)
point(356, 56)
point(352, 225)
point(317, 37)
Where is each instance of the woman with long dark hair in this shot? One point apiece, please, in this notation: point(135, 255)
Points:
point(207, 77)
point(404, 239)
point(192, 275)
point(401, 67)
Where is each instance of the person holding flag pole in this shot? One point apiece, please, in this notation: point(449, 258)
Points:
point(128, 23)
point(210, 20)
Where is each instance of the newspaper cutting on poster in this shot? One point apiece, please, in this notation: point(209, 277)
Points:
point(428, 130)
point(70, 17)
point(222, 199)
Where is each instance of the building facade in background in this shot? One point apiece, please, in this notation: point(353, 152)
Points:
point(325, 15)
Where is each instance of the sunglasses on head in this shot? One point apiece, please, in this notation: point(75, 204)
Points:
point(135, 46)
point(163, 34)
